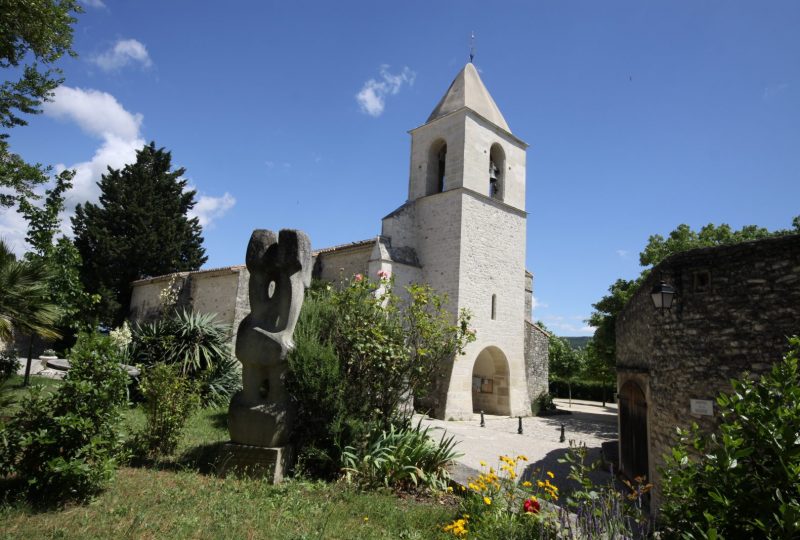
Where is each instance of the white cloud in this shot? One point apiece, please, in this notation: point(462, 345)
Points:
point(97, 113)
point(772, 91)
point(100, 115)
point(563, 326)
point(209, 208)
point(623, 253)
point(13, 228)
point(536, 303)
point(93, 3)
point(372, 97)
point(124, 52)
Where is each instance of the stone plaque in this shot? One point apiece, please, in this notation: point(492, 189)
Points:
point(703, 407)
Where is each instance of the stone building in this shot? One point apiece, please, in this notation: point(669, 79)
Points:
point(734, 308)
point(461, 230)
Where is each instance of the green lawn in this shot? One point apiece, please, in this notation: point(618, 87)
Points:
point(174, 500)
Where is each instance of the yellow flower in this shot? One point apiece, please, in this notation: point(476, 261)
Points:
point(523, 458)
point(487, 500)
point(526, 484)
point(483, 464)
point(540, 483)
point(366, 518)
point(449, 489)
point(551, 475)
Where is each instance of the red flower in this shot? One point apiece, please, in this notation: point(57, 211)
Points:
point(531, 506)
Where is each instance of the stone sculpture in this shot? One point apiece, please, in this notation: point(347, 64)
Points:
point(260, 415)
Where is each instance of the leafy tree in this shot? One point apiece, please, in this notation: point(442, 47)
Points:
point(38, 32)
point(139, 228)
point(361, 353)
point(566, 363)
point(741, 482)
point(604, 316)
point(61, 256)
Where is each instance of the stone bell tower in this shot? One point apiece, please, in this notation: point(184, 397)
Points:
point(462, 230)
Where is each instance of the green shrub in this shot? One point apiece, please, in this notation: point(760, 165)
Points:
point(543, 403)
point(64, 445)
point(741, 482)
point(360, 355)
point(170, 398)
point(197, 345)
point(403, 457)
point(9, 364)
point(582, 389)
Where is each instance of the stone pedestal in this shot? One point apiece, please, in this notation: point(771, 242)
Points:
point(254, 461)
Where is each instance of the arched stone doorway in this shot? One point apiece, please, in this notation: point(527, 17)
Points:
point(633, 430)
point(490, 382)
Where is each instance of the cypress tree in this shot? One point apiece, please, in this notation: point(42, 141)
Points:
point(139, 228)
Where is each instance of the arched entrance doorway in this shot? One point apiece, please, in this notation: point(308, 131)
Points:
point(490, 382)
point(633, 430)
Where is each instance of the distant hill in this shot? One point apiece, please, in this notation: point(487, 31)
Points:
point(578, 342)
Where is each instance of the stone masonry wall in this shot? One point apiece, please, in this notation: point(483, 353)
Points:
point(492, 263)
point(341, 264)
point(734, 308)
point(537, 356)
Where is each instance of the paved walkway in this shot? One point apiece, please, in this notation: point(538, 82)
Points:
point(590, 423)
point(38, 369)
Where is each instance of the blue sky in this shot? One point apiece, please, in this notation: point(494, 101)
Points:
point(640, 116)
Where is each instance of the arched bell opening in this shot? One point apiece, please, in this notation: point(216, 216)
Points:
point(497, 172)
point(633, 430)
point(437, 167)
point(490, 383)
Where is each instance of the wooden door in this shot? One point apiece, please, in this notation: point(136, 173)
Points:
point(633, 430)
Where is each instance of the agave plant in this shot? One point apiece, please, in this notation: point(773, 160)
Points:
point(402, 457)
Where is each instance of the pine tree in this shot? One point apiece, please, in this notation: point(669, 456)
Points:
point(139, 228)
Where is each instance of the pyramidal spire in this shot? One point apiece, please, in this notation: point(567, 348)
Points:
point(467, 90)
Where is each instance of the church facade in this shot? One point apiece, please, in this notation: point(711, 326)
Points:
point(462, 230)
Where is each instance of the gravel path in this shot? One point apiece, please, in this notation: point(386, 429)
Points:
point(590, 424)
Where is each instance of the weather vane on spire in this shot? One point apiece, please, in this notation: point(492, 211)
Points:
point(472, 47)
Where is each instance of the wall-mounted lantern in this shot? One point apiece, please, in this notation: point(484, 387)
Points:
point(663, 294)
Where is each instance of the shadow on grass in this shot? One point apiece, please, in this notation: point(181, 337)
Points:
point(220, 420)
point(201, 459)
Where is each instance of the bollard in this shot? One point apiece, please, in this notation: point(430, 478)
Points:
point(483, 422)
point(562, 439)
point(519, 429)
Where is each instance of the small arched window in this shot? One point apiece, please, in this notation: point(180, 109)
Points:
point(437, 167)
point(497, 172)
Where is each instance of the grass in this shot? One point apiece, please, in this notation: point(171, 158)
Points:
point(17, 391)
point(174, 499)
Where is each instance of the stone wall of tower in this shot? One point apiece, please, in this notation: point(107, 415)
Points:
point(451, 129)
point(492, 262)
point(480, 136)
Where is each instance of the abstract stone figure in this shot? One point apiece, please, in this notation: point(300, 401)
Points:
point(280, 271)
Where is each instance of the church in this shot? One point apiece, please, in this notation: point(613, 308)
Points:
point(462, 230)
